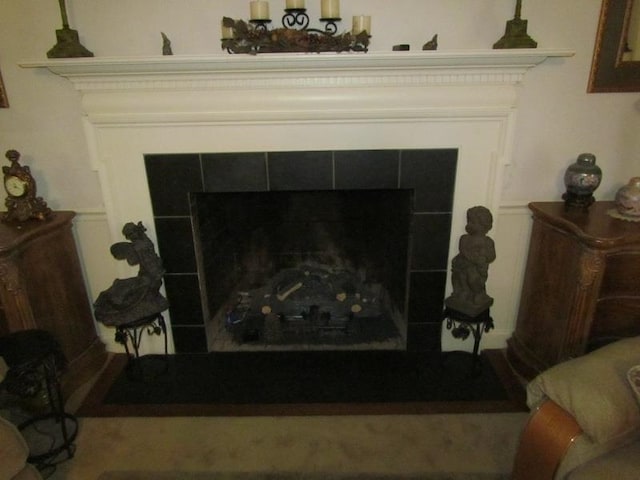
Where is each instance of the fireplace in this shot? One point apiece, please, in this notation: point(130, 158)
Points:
point(173, 106)
point(227, 223)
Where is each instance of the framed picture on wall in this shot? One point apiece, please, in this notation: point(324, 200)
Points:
point(4, 103)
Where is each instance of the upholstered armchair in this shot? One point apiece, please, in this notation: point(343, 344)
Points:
point(13, 448)
point(13, 454)
point(585, 418)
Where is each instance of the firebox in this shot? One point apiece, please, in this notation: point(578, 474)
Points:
point(303, 269)
point(314, 249)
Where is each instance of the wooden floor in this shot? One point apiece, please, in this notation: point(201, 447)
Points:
point(93, 405)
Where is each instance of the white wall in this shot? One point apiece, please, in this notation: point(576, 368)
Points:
point(557, 118)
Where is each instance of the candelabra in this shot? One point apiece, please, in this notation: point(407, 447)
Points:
point(297, 18)
point(515, 35)
point(295, 35)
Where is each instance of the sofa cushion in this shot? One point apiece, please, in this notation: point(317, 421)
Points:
point(634, 380)
point(29, 472)
point(3, 369)
point(594, 389)
point(623, 461)
point(13, 450)
point(584, 450)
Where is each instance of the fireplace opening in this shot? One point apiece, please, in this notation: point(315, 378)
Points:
point(176, 180)
point(304, 270)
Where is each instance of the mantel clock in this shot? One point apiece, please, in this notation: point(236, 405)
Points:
point(21, 202)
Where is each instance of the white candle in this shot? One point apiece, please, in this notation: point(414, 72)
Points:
point(361, 23)
point(330, 9)
point(295, 4)
point(227, 32)
point(259, 10)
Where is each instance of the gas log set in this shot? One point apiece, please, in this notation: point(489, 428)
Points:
point(312, 304)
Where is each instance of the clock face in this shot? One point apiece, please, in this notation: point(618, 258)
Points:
point(15, 186)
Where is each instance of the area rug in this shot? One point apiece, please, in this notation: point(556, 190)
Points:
point(132, 475)
point(304, 383)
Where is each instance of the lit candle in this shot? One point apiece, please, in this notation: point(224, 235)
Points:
point(330, 9)
point(227, 32)
point(297, 4)
point(361, 23)
point(259, 10)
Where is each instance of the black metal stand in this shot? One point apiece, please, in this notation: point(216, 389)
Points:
point(35, 362)
point(462, 325)
point(578, 201)
point(132, 332)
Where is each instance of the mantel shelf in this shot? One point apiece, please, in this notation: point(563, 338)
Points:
point(382, 61)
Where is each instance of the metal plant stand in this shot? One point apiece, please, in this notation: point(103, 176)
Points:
point(462, 325)
point(35, 362)
point(130, 334)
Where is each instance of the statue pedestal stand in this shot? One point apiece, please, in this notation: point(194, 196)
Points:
point(462, 324)
point(131, 333)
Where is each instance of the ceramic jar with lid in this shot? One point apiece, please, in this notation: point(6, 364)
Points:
point(582, 178)
point(628, 199)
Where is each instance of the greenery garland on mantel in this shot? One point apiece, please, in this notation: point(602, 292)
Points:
point(254, 40)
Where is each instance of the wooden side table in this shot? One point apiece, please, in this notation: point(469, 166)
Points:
point(581, 285)
point(42, 287)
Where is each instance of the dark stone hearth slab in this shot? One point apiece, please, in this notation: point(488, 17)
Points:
point(290, 383)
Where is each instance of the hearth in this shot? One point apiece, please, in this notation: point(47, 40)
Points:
point(304, 250)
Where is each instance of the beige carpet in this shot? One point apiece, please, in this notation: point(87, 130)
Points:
point(189, 447)
point(289, 476)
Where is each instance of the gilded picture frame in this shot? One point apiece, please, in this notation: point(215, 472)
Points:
point(609, 71)
point(4, 103)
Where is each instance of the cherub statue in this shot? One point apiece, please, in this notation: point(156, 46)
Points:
point(131, 299)
point(470, 268)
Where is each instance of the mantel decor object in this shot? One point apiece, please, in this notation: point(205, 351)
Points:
point(4, 102)
point(470, 268)
point(431, 44)
point(166, 44)
point(134, 305)
point(515, 35)
point(131, 299)
point(581, 178)
point(21, 202)
point(467, 308)
point(627, 201)
point(255, 37)
point(68, 45)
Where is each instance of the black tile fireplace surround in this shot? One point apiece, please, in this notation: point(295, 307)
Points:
point(430, 173)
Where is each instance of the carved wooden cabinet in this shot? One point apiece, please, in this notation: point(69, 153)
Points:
point(581, 286)
point(41, 286)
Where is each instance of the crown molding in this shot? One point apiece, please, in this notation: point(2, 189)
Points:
point(298, 70)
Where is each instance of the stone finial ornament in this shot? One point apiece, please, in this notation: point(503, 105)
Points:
point(68, 44)
point(431, 44)
point(166, 45)
point(515, 35)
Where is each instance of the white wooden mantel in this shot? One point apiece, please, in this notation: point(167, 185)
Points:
point(467, 100)
point(254, 74)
